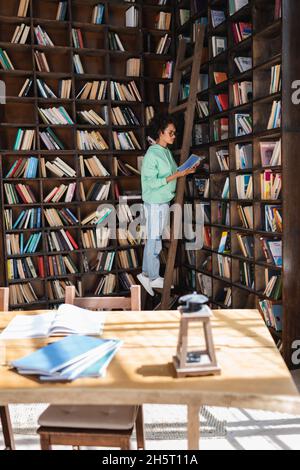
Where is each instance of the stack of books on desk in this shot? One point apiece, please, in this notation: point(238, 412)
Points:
point(70, 358)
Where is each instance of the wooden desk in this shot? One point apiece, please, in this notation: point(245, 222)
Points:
point(253, 372)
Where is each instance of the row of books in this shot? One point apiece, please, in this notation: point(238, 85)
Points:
point(246, 274)
point(224, 266)
point(21, 34)
point(5, 61)
point(242, 92)
point(16, 244)
point(98, 237)
point(45, 91)
point(273, 288)
point(58, 192)
point(23, 168)
point(114, 42)
point(93, 165)
point(27, 219)
point(93, 118)
point(60, 14)
point(15, 194)
point(55, 116)
point(96, 192)
point(133, 67)
point(60, 217)
point(91, 141)
point(125, 141)
point(271, 184)
point(124, 92)
point(272, 314)
point(102, 263)
point(95, 90)
point(275, 115)
point(241, 31)
point(163, 20)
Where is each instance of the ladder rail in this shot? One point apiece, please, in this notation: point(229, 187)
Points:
point(190, 107)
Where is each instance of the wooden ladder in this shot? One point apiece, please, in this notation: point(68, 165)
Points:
point(188, 107)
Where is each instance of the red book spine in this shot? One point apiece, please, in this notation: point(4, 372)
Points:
point(41, 266)
point(72, 240)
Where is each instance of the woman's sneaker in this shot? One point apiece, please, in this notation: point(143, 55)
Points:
point(146, 283)
point(158, 283)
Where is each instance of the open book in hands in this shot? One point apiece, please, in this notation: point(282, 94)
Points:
point(67, 320)
point(192, 161)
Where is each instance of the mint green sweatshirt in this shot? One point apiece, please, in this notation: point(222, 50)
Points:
point(158, 164)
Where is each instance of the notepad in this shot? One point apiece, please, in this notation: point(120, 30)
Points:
point(192, 161)
point(67, 320)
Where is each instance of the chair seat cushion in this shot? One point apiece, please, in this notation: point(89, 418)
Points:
point(89, 417)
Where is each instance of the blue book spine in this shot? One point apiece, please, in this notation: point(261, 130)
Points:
point(32, 218)
point(18, 220)
point(22, 243)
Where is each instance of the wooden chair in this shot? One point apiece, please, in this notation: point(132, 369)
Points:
point(96, 426)
point(4, 411)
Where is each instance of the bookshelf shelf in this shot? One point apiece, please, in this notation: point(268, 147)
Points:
point(99, 63)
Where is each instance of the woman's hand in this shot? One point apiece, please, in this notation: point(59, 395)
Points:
point(181, 174)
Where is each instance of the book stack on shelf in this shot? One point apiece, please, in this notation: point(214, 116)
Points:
point(239, 109)
point(82, 86)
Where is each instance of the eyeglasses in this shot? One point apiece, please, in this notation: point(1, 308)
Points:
point(172, 133)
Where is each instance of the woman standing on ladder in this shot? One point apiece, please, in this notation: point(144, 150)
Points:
point(159, 178)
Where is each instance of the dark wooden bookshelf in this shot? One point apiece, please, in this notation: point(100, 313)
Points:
point(271, 43)
point(99, 62)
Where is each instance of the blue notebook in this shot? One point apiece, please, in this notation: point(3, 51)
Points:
point(193, 160)
point(58, 355)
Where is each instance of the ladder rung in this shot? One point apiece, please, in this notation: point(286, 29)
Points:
point(186, 63)
point(180, 107)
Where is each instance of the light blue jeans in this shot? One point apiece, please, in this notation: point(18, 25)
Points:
point(156, 219)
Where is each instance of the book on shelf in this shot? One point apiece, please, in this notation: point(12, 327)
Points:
point(225, 245)
point(96, 192)
point(246, 216)
point(127, 259)
point(41, 61)
point(125, 141)
point(126, 280)
point(93, 118)
point(125, 238)
point(272, 250)
point(50, 140)
point(132, 17)
point(77, 38)
point(246, 274)
point(222, 101)
point(62, 11)
point(64, 88)
point(29, 218)
point(226, 189)
point(243, 156)
point(163, 20)
point(78, 67)
point(275, 115)
point(60, 240)
point(124, 116)
point(246, 244)
point(23, 8)
point(223, 214)
point(167, 69)
point(95, 90)
point(220, 129)
point(25, 140)
point(270, 153)
point(273, 218)
point(5, 61)
point(18, 193)
point(220, 77)
point(21, 34)
point(20, 294)
point(66, 320)
point(243, 124)
point(97, 217)
point(202, 109)
point(55, 116)
point(60, 265)
point(242, 93)
point(224, 266)
point(57, 193)
point(184, 15)
point(241, 31)
point(56, 289)
point(278, 9)
point(207, 237)
point(202, 186)
point(273, 314)
point(114, 42)
point(217, 17)
point(125, 169)
point(99, 237)
point(244, 186)
point(270, 185)
point(42, 37)
point(23, 168)
point(60, 217)
point(243, 63)
point(69, 358)
point(273, 288)
point(98, 14)
point(275, 85)
point(163, 44)
point(133, 67)
point(106, 285)
point(124, 92)
point(22, 268)
point(58, 167)
point(91, 141)
point(164, 92)
point(236, 5)
point(24, 92)
point(102, 263)
point(219, 45)
point(16, 244)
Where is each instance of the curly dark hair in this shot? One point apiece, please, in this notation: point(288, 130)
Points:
point(159, 123)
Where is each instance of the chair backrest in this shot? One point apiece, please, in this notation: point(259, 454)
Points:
point(4, 299)
point(106, 303)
